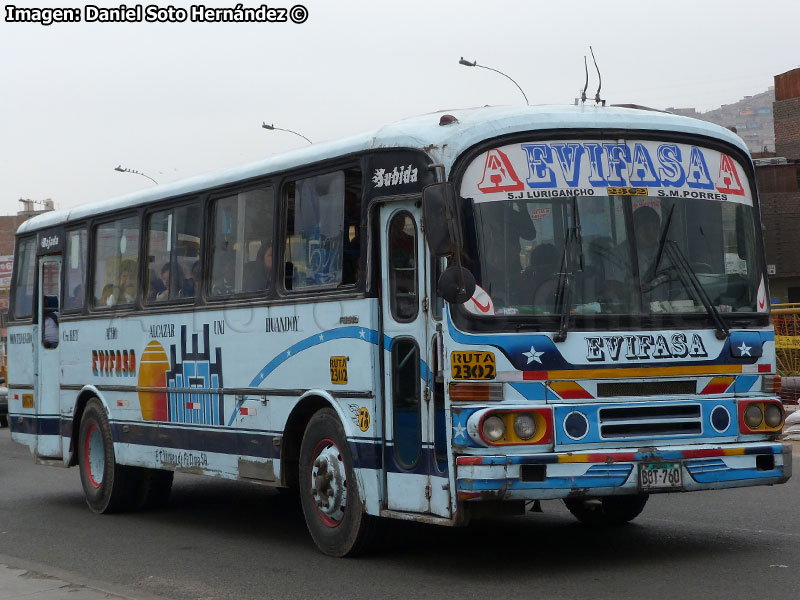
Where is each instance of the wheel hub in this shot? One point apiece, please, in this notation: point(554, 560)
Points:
point(329, 483)
point(95, 456)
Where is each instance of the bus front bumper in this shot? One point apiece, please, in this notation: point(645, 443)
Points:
point(617, 471)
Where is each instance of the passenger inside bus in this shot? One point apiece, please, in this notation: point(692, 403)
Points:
point(169, 282)
point(192, 284)
point(50, 318)
point(258, 273)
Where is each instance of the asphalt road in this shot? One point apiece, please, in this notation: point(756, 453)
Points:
point(220, 539)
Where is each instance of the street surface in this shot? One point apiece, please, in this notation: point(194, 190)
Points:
point(220, 540)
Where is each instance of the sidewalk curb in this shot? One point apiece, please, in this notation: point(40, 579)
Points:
point(32, 581)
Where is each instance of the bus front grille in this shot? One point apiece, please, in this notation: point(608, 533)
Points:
point(646, 388)
point(650, 421)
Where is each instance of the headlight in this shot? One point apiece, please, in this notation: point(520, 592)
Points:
point(773, 415)
point(753, 416)
point(524, 426)
point(493, 428)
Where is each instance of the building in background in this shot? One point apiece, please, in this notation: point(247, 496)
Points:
point(778, 180)
point(751, 118)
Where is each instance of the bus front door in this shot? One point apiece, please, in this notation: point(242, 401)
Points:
point(409, 424)
point(46, 364)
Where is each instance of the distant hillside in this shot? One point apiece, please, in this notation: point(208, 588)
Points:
point(751, 117)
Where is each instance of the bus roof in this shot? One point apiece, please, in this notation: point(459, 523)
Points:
point(444, 143)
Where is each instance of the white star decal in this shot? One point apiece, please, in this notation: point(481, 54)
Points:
point(362, 333)
point(288, 353)
point(744, 349)
point(458, 431)
point(321, 338)
point(533, 355)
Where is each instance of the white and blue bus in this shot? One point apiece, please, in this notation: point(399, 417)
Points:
point(456, 313)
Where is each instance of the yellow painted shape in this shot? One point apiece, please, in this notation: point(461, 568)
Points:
point(573, 458)
point(646, 372)
point(561, 387)
point(153, 367)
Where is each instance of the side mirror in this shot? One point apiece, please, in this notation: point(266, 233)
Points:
point(441, 219)
point(456, 284)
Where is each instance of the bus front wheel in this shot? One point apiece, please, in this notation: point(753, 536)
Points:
point(108, 486)
point(608, 510)
point(328, 489)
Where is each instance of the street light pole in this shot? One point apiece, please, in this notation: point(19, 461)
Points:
point(122, 169)
point(273, 128)
point(466, 63)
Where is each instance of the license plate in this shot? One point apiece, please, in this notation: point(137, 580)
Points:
point(660, 476)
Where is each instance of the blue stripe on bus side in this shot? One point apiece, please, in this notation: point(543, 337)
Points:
point(366, 452)
point(358, 333)
point(35, 425)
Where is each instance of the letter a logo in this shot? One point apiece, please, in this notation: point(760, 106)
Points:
point(499, 175)
point(728, 180)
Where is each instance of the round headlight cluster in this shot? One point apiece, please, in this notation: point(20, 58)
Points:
point(773, 415)
point(525, 426)
point(493, 428)
point(753, 416)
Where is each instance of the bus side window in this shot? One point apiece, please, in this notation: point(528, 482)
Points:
point(406, 402)
point(242, 243)
point(173, 253)
point(75, 276)
point(23, 279)
point(116, 262)
point(323, 231)
point(403, 267)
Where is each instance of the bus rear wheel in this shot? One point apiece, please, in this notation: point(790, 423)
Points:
point(329, 491)
point(608, 510)
point(108, 486)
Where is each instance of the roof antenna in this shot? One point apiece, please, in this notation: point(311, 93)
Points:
point(585, 68)
point(597, 98)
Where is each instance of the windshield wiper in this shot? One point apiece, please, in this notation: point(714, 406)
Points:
point(689, 280)
point(564, 291)
point(651, 272)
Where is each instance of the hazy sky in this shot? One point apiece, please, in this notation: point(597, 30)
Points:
point(176, 99)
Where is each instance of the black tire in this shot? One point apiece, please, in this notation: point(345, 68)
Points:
point(339, 525)
point(108, 487)
point(155, 487)
point(608, 510)
point(4, 421)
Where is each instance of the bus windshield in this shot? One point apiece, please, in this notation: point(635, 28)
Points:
point(567, 248)
point(522, 253)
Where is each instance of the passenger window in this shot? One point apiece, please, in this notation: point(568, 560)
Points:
point(75, 276)
point(403, 267)
point(242, 243)
point(24, 277)
point(173, 254)
point(116, 262)
point(405, 402)
point(50, 309)
point(323, 231)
